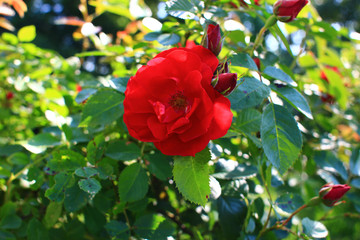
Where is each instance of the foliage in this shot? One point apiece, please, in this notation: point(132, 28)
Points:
point(70, 170)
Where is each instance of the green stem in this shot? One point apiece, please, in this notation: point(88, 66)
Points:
point(269, 22)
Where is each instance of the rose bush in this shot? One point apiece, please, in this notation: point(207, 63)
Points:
point(171, 102)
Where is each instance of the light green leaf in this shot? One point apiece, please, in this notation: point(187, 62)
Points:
point(250, 93)
point(314, 229)
point(168, 39)
point(191, 175)
point(53, 212)
point(243, 60)
point(133, 183)
point(66, 160)
point(337, 87)
point(102, 108)
point(279, 74)
point(295, 98)
point(280, 136)
point(27, 33)
point(90, 185)
point(184, 9)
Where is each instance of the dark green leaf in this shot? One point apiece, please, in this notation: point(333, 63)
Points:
point(159, 165)
point(164, 230)
point(66, 160)
point(19, 158)
point(355, 162)
point(243, 60)
point(295, 98)
point(249, 122)
point(8, 217)
point(280, 136)
point(56, 192)
point(133, 183)
point(152, 36)
point(232, 214)
point(249, 94)
point(36, 231)
point(94, 220)
point(146, 225)
point(279, 74)
point(75, 199)
point(240, 172)
point(118, 229)
point(191, 175)
point(96, 149)
point(40, 142)
point(120, 150)
point(103, 108)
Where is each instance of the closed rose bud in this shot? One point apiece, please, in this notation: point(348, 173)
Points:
point(213, 40)
point(222, 68)
point(9, 95)
point(287, 10)
point(257, 62)
point(257, 2)
point(225, 83)
point(330, 194)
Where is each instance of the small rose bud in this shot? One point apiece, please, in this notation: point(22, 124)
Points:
point(222, 68)
point(212, 39)
point(287, 10)
point(257, 62)
point(225, 83)
point(78, 88)
point(330, 194)
point(9, 95)
point(257, 2)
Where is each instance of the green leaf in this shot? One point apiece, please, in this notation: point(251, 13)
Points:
point(278, 33)
point(280, 136)
point(152, 36)
point(355, 162)
point(86, 172)
point(328, 161)
point(164, 230)
point(66, 160)
point(249, 94)
point(42, 72)
point(18, 158)
point(191, 175)
point(295, 98)
point(75, 199)
point(5, 235)
point(102, 108)
point(36, 231)
point(314, 229)
point(279, 74)
point(90, 185)
point(118, 229)
point(95, 53)
point(96, 149)
point(243, 60)
point(184, 9)
point(40, 143)
point(168, 39)
point(159, 165)
point(232, 214)
point(8, 217)
point(27, 33)
point(56, 192)
point(133, 183)
point(94, 220)
point(289, 202)
point(337, 87)
point(53, 212)
point(240, 172)
point(120, 150)
point(249, 122)
point(146, 225)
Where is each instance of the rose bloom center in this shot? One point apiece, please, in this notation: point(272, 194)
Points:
point(179, 102)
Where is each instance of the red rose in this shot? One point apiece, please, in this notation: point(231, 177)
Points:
point(287, 10)
point(171, 102)
point(257, 62)
point(331, 194)
point(9, 95)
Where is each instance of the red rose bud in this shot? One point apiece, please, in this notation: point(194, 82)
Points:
point(78, 88)
point(257, 62)
point(9, 95)
point(330, 194)
point(222, 68)
point(226, 83)
point(213, 40)
point(257, 2)
point(287, 10)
